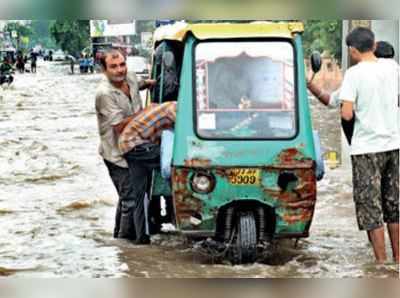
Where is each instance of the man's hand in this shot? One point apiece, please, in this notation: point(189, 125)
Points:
point(147, 84)
point(347, 110)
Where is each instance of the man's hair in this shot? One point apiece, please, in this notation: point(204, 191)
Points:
point(384, 50)
point(361, 38)
point(113, 52)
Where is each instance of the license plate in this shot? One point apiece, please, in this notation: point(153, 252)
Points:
point(244, 176)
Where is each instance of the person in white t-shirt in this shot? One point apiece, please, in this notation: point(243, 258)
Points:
point(331, 100)
point(369, 92)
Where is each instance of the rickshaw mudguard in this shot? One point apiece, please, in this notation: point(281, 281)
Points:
point(293, 208)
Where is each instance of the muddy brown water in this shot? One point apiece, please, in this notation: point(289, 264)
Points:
point(57, 202)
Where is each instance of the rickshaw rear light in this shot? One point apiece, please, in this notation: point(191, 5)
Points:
point(203, 182)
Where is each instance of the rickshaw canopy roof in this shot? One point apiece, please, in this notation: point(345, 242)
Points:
point(179, 31)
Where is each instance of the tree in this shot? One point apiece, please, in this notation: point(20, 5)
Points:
point(323, 36)
point(71, 36)
point(23, 33)
point(41, 34)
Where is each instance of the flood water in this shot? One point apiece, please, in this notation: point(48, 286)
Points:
point(57, 201)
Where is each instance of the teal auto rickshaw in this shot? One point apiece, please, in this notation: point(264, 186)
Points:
point(243, 167)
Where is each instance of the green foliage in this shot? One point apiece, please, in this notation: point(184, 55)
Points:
point(23, 33)
point(323, 36)
point(22, 30)
point(145, 26)
point(71, 36)
point(41, 34)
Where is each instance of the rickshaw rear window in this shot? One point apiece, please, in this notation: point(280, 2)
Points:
point(245, 90)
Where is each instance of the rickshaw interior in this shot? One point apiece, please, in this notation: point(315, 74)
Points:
point(245, 89)
point(167, 65)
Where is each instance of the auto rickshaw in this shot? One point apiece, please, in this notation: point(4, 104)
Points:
point(244, 163)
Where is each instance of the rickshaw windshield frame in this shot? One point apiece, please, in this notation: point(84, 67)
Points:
point(295, 111)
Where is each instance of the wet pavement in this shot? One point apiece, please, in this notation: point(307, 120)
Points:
point(57, 202)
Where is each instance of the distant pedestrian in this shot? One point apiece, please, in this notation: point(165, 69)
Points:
point(20, 64)
point(72, 61)
point(90, 64)
point(33, 62)
point(83, 64)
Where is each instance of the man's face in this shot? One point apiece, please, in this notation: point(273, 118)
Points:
point(116, 70)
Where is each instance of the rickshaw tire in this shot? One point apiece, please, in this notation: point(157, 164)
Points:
point(246, 242)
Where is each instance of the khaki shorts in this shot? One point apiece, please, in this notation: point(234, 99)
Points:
point(376, 188)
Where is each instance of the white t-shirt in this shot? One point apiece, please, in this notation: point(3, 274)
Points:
point(373, 87)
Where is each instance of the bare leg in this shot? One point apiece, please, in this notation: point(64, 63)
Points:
point(377, 237)
point(393, 229)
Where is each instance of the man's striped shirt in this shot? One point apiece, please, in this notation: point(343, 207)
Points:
point(147, 126)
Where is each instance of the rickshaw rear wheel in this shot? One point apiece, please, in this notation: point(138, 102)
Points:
point(246, 240)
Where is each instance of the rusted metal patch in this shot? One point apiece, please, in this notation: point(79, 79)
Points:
point(291, 158)
point(305, 216)
point(290, 155)
point(298, 205)
point(186, 205)
point(198, 163)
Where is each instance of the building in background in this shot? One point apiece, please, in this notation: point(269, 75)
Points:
point(7, 48)
point(106, 34)
point(2, 24)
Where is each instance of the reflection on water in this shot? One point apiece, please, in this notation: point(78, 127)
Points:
point(57, 202)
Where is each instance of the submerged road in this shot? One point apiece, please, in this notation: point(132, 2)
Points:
point(57, 202)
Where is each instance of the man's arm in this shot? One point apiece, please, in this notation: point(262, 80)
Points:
point(118, 128)
point(323, 97)
point(106, 107)
point(147, 84)
point(347, 110)
point(348, 94)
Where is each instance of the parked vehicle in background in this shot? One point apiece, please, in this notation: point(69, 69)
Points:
point(139, 65)
point(59, 55)
point(48, 55)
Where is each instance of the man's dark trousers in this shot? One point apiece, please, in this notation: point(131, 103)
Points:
point(124, 224)
point(141, 160)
